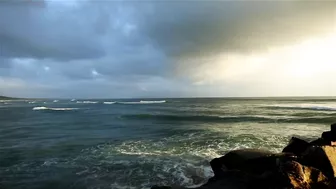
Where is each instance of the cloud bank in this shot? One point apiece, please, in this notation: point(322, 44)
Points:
point(159, 48)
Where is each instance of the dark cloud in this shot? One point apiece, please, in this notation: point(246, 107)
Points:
point(203, 28)
point(133, 47)
point(41, 32)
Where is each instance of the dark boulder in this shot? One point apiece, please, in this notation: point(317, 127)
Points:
point(319, 142)
point(245, 160)
point(218, 166)
point(333, 128)
point(296, 146)
point(231, 179)
point(330, 136)
point(331, 184)
point(301, 165)
point(322, 158)
point(266, 164)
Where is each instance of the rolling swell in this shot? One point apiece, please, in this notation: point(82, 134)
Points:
point(231, 119)
point(302, 107)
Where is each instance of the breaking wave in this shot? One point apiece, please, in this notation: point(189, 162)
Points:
point(144, 102)
point(109, 102)
point(180, 159)
point(231, 119)
point(304, 107)
point(86, 102)
point(56, 109)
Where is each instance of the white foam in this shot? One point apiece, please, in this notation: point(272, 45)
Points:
point(168, 158)
point(40, 108)
point(153, 101)
point(109, 102)
point(307, 106)
point(87, 102)
point(50, 162)
point(56, 109)
point(90, 102)
point(32, 102)
point(144, 102)
point(55, 101)
point(129, 103)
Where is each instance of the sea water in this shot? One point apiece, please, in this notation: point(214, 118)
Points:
point(137, 143)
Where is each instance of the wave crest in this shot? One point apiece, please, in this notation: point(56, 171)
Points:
point(56, 109)
point(87, 102)
point(145, 102)
point(109, 102)
point(230, 118)
point(304, 107)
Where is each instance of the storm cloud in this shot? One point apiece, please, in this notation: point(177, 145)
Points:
point(203, 28)
point(146, 49)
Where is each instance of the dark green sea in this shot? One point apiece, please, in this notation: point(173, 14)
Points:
point(131, 144)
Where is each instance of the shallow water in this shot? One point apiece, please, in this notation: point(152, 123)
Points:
point(136, 144)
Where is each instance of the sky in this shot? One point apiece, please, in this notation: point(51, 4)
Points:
point(126, 49)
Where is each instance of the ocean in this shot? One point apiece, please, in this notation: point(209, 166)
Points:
point(131, 144)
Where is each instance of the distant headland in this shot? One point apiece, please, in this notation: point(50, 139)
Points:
point(8, 98)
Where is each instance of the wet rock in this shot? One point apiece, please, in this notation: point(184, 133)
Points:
point(301, 165)
point(265, 164)
point(237, 159)
point(319, 142)
point(331, 184)
point(333, 128)
point(234, 179)
point(322, 158)
point(218, 167)
point(298, 176)
point(330, 136)
point(296, 146)
point(249, 160)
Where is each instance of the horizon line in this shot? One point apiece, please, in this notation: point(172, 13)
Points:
point(190, 97)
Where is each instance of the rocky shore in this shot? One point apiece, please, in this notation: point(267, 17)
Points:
point(301, 165)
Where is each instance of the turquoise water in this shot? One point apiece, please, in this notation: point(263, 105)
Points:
point(136, 144)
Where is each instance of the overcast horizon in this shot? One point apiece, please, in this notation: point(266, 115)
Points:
point(180, 97)
point(148, 49)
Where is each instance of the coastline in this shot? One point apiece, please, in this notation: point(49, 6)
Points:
point(300, 165)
